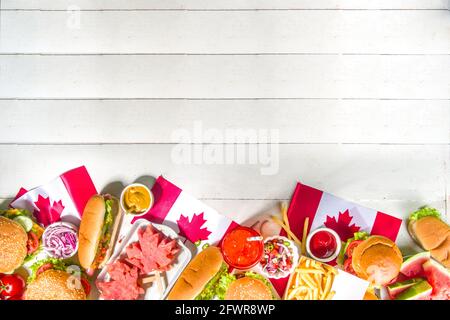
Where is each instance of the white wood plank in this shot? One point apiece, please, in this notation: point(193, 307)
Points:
point(173, 76)
point(363, 172)
point(298, 121)
point(393, 32)
point(229, 4)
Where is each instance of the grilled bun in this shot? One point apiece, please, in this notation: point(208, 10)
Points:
point(54, 285)
point(13, 245)
point(377, 259)
point(202, 268)
point(432, 234)
point(90, 230)
point(247, 288)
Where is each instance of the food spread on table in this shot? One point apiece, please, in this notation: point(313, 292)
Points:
point(62, 241)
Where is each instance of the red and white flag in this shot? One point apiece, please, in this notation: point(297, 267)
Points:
point(63, 199)
point(344, 217)
point(190, 218)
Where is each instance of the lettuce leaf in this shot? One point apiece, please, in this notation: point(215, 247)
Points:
point(13, 213)
point(108, 220)
point(218, 284)
point(424, 212)
point(224, 282)
point(356, 236)
point(57, 265)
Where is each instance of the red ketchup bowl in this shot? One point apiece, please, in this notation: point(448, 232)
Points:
point(239, 250)
point(323, 244)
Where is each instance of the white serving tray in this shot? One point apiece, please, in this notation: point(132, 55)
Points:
point(182, 259)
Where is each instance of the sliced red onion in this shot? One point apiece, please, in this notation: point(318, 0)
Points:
point(60, 240)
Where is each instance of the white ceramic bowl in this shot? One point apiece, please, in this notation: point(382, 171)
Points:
point(294, 257)
point(67, 225)
point(338, 244)
point(152, 199)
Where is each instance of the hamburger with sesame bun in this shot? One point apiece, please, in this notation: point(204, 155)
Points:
point(52, 279)
point(250, 286)
point(55, 284)
point(19, 238)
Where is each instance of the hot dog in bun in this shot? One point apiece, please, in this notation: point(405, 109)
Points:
point(98, 231)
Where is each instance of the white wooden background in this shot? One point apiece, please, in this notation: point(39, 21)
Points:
point(358, 89)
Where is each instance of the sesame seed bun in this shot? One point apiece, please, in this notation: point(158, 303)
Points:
point(247, 288)
point(13, 245)
point(55, 285)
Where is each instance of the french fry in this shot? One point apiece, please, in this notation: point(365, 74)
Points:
point(311, 271)
point(305, 234)
point(330, 295)
point(311, 280)
point(284, 208)
point(288, 231)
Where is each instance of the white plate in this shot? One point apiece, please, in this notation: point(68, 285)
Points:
point(182, 259)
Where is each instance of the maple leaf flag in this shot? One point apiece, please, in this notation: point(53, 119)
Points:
point(344, 217)
point(62, 199)
point(189, 217)
point(192, 230)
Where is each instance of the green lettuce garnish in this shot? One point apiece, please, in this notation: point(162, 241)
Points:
point(424, 212)
point(356, 236)
point(107, 223)
point(13, 213)
point(34, 254)
point(218, 284)
point(224, 282)
point(57, 265)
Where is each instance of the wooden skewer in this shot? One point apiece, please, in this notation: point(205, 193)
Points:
point(156, 277)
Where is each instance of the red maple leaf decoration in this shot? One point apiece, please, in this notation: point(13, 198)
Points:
point(153, 251)
point(342, 225)
point(46, 213)
point(192, 230)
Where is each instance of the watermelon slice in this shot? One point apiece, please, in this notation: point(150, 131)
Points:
point(412, 266)
point(420, 291)
point(396, 288)
point(439, 278)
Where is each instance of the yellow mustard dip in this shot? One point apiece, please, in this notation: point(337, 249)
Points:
point(136, 199)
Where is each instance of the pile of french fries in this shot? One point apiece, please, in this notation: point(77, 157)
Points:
point(311, 280)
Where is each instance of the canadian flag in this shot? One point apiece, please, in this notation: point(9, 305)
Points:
point(190, 218)
point(344, 217)
point(63, 199)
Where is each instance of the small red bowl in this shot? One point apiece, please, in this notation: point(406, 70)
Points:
point(240, 253)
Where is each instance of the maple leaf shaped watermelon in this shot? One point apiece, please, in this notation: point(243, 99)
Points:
point(153, 251)
point(192, 230)
point(47, 213)
point(342, 225)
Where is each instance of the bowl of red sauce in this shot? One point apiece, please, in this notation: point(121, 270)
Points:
point(323, 244)
point(242, 248)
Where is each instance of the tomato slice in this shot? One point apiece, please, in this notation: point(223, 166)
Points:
point(32, 242)
point(351, 247)
point(44, 267)
point(348, 267)
point(86, 285)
